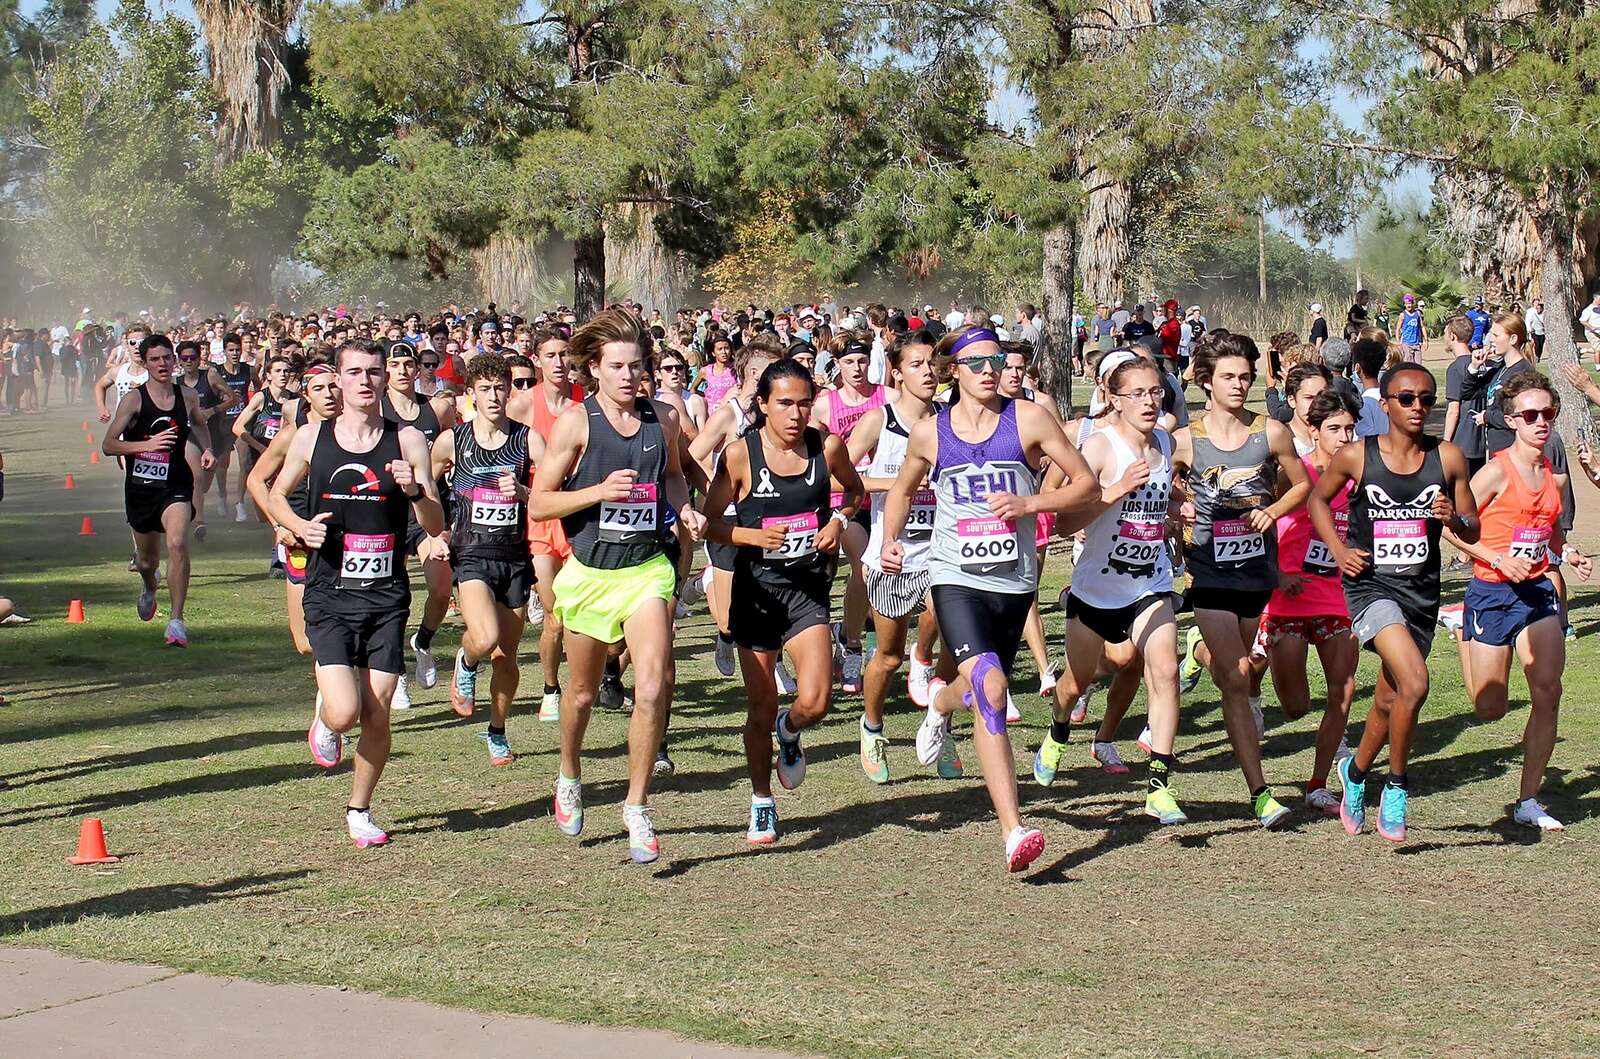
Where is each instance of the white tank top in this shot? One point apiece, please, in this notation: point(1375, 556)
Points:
point(1086, 426)
point(740, 414)
point(1124, 550)
point(917, 536)
point(127, 380)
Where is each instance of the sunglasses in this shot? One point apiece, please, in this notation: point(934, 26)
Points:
point(525, 383)
point(1407, 399)
point(430, 364)
point(995, 361)
point(672, 367)
point(1531, 416)
point(191, 358)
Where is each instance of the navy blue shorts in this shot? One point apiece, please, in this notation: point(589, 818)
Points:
point(1496, 612)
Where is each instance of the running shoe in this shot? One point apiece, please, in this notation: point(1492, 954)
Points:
point(427, 669)
point(850, 682)
point(680, 611)
point(1023, 847)
point(874, 754)
point(133, 565)
point(1047, 683)
point(569, 806)
point(550, 706)
point(1146, 740)
point(932, 735)
point(15, 619)
point(763, 822)
point(663, 766)
point(1047, 760)
point(363, 830)
point(1342, 751)
point(1161, 806)
point(643, 846)
point(1080, 709)
point(239, 513)
point(1392, 813)
point(1531, 814)
point(147, 604)
point(1353, 804)
point(1110, 761)
point(1269, 811)
point(327, 746)
point(1452, 618)
point(1571, 634)
point(1189, 672)
point(499, 748)
point(610, 695)
point(1321, 798)
point(724, 657)
point(949, 763)
point(791, 758)
point(535, 613)
point(917, 682)
point(1013, 715)
point(691, 592)
point(401, 700)
point(1259, 717)
point(200, 531)
point(177, 633)
point(464, 686)
point(786, 684)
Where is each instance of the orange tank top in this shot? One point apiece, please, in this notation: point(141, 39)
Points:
point(1519, 521)
point(543, 418)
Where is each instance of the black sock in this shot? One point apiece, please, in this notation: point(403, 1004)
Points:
point(552, 689)
point(471, 667)
point(1398, 779)
point(501, 730)
point(424, 637)
point(1258, 792)
point(358, 808)
point(1356, 773)
point(1059, 730)
point(614, 668)
point(1161, 770)
point(723, 637)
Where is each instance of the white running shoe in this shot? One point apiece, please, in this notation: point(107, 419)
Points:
point(1531, 814)
point(1342, 751)
point(363, 830)
point(917, 681)
point(239, 514)
point(1047, 683)
point(1453, 618)
point(1257, 715)
point(146, 604)
point(550, 706)
point(1013, 715)
point(1108, 758)
point(791, 756)
point(724, 657)
point(402, 697)
point(535, 612)
point(786, 684)
point(932, 735)
point(1080, 709)
point(1323, 800)
point(1146, 741)
point(427, 670)
point(1023, 847)
point(327, 746)
point(177, 633)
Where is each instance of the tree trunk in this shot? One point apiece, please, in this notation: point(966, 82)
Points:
point(1056, 287)
point(1355, 244)
point(1106, 248)
point(1557, 272)
point(1261, 255)
point(244, 51)
point(589, 273)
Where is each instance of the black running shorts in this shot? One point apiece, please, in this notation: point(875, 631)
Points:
point(764, 616)
point(510, 581)
point(972, 621)
point(374, 641)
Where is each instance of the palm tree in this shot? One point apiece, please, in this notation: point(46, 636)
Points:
point(244, 48)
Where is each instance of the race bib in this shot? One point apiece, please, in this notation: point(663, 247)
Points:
point(1136, 548)
point(1319, 557)
point(986, 545)
point(919, 523)
point(152, 466)
point(368, 558)
point(1233, 541)
point(630, 519)
point(493, 509)
point(799, 536)
point(1400, 546)
point(1529, 543)
point(270, 425)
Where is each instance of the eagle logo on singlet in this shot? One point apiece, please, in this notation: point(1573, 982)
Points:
point(1237, 485)
point(365, 489)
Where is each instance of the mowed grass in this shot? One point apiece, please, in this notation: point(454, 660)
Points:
point(882, 924)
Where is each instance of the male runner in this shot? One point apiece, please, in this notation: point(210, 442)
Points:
point(240, 378)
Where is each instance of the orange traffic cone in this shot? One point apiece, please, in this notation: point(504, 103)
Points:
point(94, 455)
point(87, 530)
point(86, 426)
point(70, 483)
point(92, 844)
point(75, 613)
point(88, 439)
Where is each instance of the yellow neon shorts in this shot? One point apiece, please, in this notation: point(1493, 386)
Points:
point(597, 602)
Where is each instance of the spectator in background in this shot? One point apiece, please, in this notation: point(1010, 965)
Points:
point(1461, 415)
point(1535, 321)
point(1027, 324)
point(1171, 330)
point(1120, 317)
point(1319, 326)
point(1413, 335)
point(1590, 319)
point(1369, 355)
point(1480, 323)
point(1105, 329)
point(1275, 348)
point(1137, 327)
point(1358, 316)
point(1336, 355)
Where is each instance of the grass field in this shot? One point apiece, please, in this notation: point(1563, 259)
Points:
point(881, 925)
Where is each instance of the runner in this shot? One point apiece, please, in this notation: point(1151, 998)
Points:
point(202, 378)
point(1511, 600)
point(490, 459)
point(547, 541)
point(880, 439)
point(1013, 384)
point(837, 412)
point(611, 465)
point(151, 429)
point(1307, 609)
point(262, 417)
point(240, 378)
point(787, 533)
point(721, 377)
point(1408, 487)
point(1121, 587)
point(363, 472)
point(1230, 460)
point(429, 416)
point(125, 371)
point(982, 453)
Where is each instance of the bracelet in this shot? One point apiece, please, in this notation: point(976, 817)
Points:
point(841, 517)
point(413, 496)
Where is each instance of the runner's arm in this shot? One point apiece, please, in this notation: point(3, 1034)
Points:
point(710, 438)
point(1485, 485)
point(296, 465)
point(443, 456)
point(844, 476)
point(1094, 458)
point(1465, 520)
point(101, 386)
point(268, 464)
point(693, 473)
point(547, 500)
point(191, 403)
point(673, 482)
point(727, 484)
point(1345, 468)
point(221, 391)
point(241, 425)
point(1080, 488)
point(1280, 441)
point(113, 445)
point(425, 502)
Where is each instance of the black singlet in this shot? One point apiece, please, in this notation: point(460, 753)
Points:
point(798, 502)
point(615, 535)
point(487, 522)
point(238, 381)
point(360, 567)
point(1391, 519)
point(157, 473)
point(268, 419)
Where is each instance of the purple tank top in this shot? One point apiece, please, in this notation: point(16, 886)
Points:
point(1003, 446)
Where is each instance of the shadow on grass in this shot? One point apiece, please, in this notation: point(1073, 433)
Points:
point(71, 770)
point(146, 899)
point(212, 782)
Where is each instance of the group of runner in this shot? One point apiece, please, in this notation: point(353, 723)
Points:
point(531, 497)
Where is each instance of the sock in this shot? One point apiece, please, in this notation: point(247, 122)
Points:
point(614, 668)
point(1356, 773)
point(875, 729)
point(1161, 771)
point(470, 667)
point(353, 809)
point(1258, 792)
point(1398, 779)
point(723, 637)
point(423, 637)
point(563, 781)
point(762, 800)
point(787, 734)
point(1059, 730)
point(497, 731)
point(552, 689)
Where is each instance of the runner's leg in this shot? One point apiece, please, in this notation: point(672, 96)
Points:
point(648, 636)
point(1543, 650)
point(1228, 638)
point(175, 524)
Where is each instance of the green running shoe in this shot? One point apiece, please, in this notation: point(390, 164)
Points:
point(1163, 807)
point(1190, 670)
point(1047, 760)
point(949, 765)
point(1269, 811)
point(874, 754)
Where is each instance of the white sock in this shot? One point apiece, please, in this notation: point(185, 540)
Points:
point(787, 734)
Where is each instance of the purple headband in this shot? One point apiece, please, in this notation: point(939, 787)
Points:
point(977, 334)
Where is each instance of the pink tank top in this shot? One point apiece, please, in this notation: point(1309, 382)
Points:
point(842, 418)
point(718, 386)
point(1301, 552)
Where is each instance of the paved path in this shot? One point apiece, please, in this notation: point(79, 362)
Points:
point(53, 1005)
